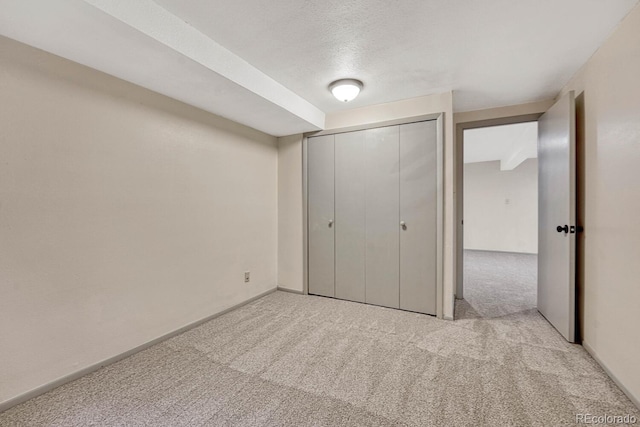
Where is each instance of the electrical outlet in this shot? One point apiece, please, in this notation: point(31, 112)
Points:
point(247, 277)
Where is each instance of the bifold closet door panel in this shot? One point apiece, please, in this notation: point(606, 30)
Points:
point(350, 215)
point(382, 216)
point(418, 213)
point(321, 215)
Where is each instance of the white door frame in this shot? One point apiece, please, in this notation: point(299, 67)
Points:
point(439, 117)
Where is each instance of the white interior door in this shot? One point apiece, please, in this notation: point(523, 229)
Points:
point(557, 216)
point(321, 216)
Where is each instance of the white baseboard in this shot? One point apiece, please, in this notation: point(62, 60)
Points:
point(94, 367)
point(500, 252)
point(615, 379)
point(293, 291)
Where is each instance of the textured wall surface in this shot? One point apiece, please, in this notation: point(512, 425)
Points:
point(124, 215)
point(609, 133)
point(290, 213)
point(501, 207)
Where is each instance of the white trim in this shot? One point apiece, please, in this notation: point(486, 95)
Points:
point(395, 122)
point(625, 390)
point(501, 252)
point(293, 291)
point(305, 216)
point(94, 367)
point(440, 216)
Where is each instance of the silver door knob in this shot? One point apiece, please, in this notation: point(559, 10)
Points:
point(330, 223)
point(403, 225)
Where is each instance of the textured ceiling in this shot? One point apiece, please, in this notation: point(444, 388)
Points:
point(268, 64)
point(490, 52)
point(141, 42)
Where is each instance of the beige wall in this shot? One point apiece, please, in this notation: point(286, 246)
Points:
point(500, 113)
point(610, 82)
point(422, 105)
point(290, 214)
point(124, 215)
point(501, 207)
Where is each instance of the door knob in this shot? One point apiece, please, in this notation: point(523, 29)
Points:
point(330, 223)
point(403, 225)
point(560, 228)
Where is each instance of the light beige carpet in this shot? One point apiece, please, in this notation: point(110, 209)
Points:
point(292, 360)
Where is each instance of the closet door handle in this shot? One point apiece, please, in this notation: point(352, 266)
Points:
point(403, 225)
point(330, 223)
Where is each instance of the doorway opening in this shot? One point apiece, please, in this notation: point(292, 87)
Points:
point(500, 220)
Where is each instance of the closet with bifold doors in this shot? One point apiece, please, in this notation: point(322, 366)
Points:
point(374, 215)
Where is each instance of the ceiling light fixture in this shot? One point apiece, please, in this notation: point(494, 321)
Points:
point(345, 90)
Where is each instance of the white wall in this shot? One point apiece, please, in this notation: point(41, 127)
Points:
point(124, 215)
point(501, 207)
point(610, 83)
point(290, 214)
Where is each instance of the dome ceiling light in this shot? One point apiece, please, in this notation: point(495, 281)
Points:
point(345, 90)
